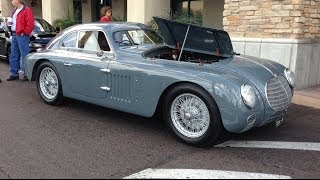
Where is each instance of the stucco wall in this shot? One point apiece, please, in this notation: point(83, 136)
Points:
point(5, 7)
point(55, 9)
point(143, 10)
point(87, 11)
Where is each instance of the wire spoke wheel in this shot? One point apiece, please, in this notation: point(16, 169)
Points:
point(190, 115)
point(48, 83)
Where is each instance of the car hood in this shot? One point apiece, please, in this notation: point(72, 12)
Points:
point(197, 38)
point(257, 71)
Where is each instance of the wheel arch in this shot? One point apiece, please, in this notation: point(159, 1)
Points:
point(181, 83)
point(35, 68)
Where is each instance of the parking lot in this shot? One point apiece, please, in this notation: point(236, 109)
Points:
point(80, 140)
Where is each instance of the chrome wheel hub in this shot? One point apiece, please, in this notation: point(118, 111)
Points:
point(190, 115)
point(48, 83)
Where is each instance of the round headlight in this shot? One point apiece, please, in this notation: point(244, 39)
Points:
point(248, 96)
point(290, 77)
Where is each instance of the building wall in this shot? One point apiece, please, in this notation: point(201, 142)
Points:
point(297, 19)
point(87, 11)
point(119, 9)
point(301, 56)
point(37, 8)
point(143, 10)
point(213, 13)
point(285, 31)
point(6, 7)
point(55, 9)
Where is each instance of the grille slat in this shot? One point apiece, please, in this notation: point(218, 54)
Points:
point(278, 93)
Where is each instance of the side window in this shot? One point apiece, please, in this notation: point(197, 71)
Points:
point(103, 42)
point(121, 38)
point(93, 40)
point(69, 41)
point(88, 40)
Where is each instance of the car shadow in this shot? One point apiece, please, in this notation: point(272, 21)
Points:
point(301, 124)
point(111, 115)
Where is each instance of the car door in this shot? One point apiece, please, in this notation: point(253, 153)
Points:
point(2, 38)
point(86, 72)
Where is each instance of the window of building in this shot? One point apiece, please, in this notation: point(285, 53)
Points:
point(189, 11)
point(98, 6)
point(77, 11)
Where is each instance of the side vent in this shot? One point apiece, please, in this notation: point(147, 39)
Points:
point(121, 87)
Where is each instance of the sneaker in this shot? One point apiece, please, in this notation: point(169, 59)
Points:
point(13, 78)
point(25, 78)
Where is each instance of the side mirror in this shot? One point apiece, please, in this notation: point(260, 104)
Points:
point(100, 53)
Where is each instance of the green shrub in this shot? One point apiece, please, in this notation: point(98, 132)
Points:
point(117, 18)
point(65, 21)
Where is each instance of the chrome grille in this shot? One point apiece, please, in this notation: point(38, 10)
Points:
point(279, 93)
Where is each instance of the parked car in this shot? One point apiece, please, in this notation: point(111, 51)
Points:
point(190, 74)
point(41, 35)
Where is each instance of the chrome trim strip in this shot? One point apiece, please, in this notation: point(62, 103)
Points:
point(105, 70)
point(66, 64)
point(259, 64)
point(105, 88)
point(285, 90)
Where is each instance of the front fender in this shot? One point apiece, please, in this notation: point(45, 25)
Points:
point(226, 92)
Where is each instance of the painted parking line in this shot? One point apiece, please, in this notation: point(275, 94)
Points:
point(200, 174)
point(307, 146)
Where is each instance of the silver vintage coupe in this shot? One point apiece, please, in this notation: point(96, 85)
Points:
point(189, 73)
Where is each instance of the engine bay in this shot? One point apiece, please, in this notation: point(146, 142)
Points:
point(167, 53)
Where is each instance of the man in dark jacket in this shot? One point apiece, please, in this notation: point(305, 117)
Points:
point(22, 27)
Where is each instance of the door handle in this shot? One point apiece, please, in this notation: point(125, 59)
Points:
point(67, 64)
point(105, 70)
point(105, 88)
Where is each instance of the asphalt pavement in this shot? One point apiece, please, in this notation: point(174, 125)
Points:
point(81, 140)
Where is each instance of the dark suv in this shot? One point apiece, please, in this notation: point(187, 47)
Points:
point(42, 34)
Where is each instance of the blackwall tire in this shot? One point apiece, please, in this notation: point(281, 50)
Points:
point(49, 84)
point(192, 115)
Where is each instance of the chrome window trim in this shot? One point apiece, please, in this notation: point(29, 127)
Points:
point(78, 35)
point(64, 37)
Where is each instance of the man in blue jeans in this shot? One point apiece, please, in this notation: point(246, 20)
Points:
point(22, 27)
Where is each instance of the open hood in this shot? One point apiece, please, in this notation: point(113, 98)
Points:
point(197, 38)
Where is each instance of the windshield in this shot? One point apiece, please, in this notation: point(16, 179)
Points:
point(42, 26)
point(136, 37)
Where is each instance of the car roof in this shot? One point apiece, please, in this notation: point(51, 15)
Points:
point(111, 26)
